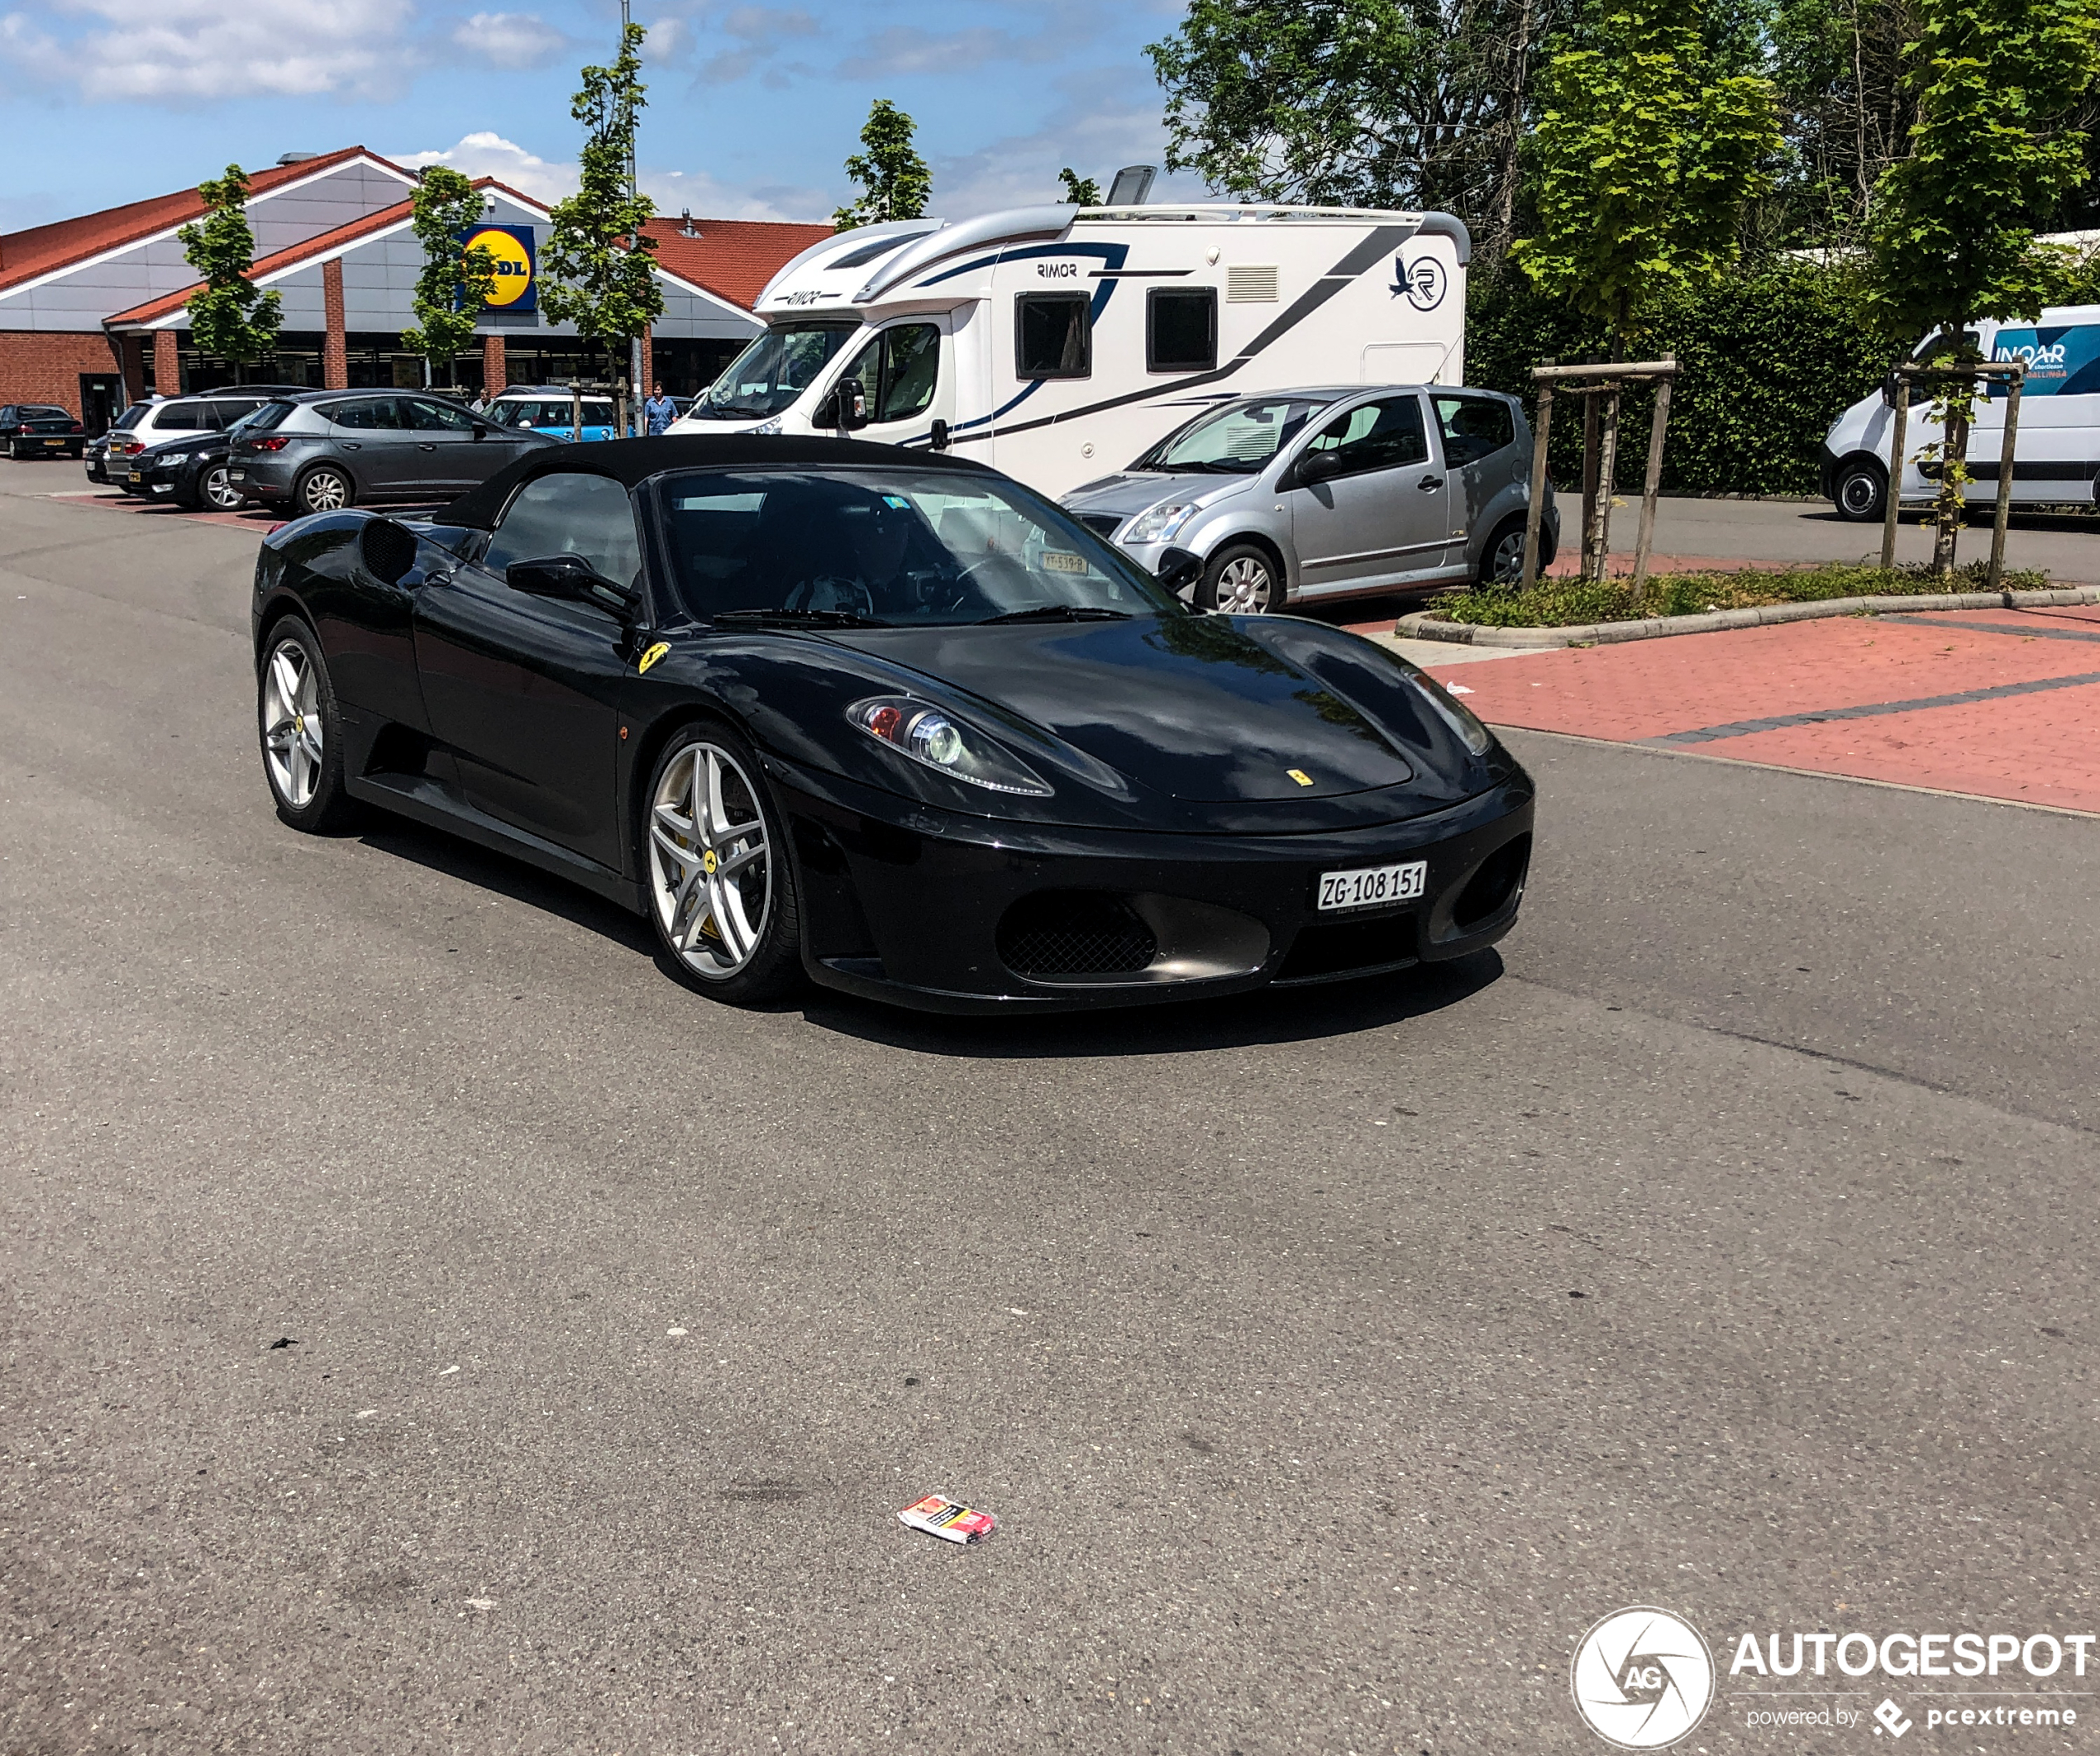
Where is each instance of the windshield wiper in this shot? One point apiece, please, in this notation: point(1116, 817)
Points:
point(811, 618)
point(1058, 612)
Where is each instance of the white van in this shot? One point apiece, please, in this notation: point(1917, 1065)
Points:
point(1057, 342)
point(2056, 451)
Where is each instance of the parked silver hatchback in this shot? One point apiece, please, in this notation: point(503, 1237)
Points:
point(1293, 496)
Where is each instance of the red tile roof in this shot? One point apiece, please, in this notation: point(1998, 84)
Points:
point(733, 259)
point(40, 249)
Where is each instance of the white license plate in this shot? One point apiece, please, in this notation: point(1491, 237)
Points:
point(1370, 886)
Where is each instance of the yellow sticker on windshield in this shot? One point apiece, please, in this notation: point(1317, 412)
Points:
point(652, 655)
point(1299, 775)
point(1056, 560)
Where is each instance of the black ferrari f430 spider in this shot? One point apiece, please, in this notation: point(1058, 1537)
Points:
point(887, 721)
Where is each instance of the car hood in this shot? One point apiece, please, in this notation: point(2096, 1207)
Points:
point(1134, 490)
point(1189, 706)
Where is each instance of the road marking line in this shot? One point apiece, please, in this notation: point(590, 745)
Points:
point(2036, 633)
point(1871, 710)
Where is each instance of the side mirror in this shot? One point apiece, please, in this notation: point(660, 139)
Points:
point(1179, 571)
point(387, 550)
point(1888, 390)
point(480, 430)
point(1317, 467)
point(846, 407)
point(939, 438)
point(571, 577)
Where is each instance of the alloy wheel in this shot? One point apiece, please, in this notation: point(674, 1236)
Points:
point(711, 869)
point(1243, 587)
point(1505, 565)
point(325, 490)
point(219, 493)
point(291, 716)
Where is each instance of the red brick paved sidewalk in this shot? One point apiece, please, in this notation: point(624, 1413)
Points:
point(2003, 703)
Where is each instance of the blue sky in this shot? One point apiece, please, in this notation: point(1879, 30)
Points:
point(752, 109)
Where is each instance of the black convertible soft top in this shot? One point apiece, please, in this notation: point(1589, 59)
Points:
point(633, 461)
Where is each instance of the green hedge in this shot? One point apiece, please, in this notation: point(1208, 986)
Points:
point(1768, 359)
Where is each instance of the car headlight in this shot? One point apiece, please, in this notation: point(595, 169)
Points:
point(772, 426)
point(1161, 523)
point(174, 457)
point(928, 736)
point(1454, 713)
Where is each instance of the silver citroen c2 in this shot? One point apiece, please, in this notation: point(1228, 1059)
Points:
point(1293, 496)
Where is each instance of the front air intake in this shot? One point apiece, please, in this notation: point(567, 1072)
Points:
point(1073, 935)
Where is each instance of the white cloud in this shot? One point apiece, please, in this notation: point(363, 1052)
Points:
point(194, 52)
point(489, 154)
point(511, 39)
point(1021, 170)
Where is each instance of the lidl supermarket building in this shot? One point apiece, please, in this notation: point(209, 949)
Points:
point(93, 310)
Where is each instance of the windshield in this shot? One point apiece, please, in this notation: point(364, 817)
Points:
point(1237, 440)
point(772, 372)
point(890, 547)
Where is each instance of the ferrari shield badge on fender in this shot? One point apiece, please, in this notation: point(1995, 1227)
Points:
point(652, 655)
point(1299, 775)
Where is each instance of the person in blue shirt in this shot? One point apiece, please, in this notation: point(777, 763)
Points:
point(659, 412)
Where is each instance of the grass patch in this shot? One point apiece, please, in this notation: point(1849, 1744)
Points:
point(1568, 604)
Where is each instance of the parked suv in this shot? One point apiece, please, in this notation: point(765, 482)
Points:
point(1297, 495)
point(38, 430)
point(145, 425)
point(324, 450)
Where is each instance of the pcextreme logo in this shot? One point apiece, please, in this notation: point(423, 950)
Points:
point(1642, 1678)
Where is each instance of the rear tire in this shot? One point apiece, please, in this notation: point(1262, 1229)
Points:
point(1501, 561)
point(1241, 579)
point(1860, 491)
point(324, 489)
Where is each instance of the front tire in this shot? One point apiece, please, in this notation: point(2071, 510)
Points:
point(301, 729)
point(214, 493)
point(1860, 491)
point(324, 489)
point(721, 885)
point(1241, 579)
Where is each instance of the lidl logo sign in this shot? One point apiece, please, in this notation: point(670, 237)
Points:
point(516, 287)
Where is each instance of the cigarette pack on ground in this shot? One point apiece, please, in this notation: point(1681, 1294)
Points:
point(948, 1520)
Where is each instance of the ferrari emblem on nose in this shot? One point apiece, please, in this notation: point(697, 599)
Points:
point(1299, 775)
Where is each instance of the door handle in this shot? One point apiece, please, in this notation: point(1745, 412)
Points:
point(421, 446)
point(1431, 483)
point(351, 445)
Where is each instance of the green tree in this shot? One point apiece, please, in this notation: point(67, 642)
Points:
point(895, 182)
point(1950, 233)
point(599, 267)
point(1390, 103)
point(456, 283)
point(1644, 162)
point(230, 317)
point(1080, 192)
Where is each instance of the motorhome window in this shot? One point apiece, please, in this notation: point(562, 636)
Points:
point(1474, 427)
point(897, 546)
point(899, 369)
point(868, 252)
point(772, 372)
point(1053, 335)
point(1237, 440)
point(1384, 435)
point(1181, 329)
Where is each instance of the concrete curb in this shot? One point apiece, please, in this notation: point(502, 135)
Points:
point(1428, 625)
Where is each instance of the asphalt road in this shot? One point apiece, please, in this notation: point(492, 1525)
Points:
point(1332, 1361)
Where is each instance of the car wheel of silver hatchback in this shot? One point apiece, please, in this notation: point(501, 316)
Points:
point(1241, 580)
point(325, 490)
point(1503, 564)
point(710, 864)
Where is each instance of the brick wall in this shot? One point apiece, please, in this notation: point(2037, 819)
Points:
point(46, 366)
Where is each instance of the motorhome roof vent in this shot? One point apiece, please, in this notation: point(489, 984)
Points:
point(1251, 283)
point(1133, 184)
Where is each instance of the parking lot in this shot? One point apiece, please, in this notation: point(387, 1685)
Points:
point(434, 1329)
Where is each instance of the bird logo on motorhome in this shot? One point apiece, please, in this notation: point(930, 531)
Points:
point(1421, 280)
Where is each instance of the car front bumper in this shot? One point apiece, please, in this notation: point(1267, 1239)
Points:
point(933, 909)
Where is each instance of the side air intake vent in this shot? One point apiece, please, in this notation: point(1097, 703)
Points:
point(1251, 283)
point(388, 550)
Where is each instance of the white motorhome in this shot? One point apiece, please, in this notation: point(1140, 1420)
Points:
point(2056, 447)
point(1059, 342)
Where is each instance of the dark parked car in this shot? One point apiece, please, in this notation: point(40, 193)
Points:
point(38, 430)
point(200, 421)
point(324, 450)
point(190, 468)
point(885, 720)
